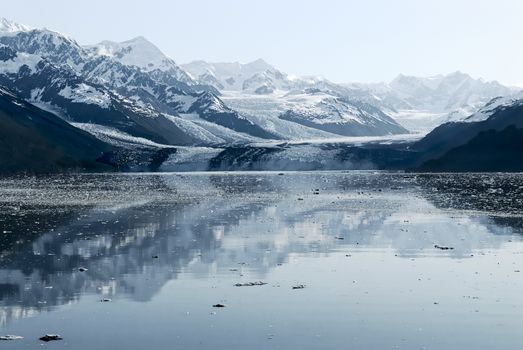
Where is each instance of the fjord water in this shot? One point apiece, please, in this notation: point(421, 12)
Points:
point(387, 261)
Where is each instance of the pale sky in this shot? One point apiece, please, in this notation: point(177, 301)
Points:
point(343, 40)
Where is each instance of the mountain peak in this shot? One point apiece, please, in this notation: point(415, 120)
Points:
point(138, 52)
point(138, 40)
point(458, 74)
point(9, 26)
point(258, 65)
point(260, 61)
point(404, 79)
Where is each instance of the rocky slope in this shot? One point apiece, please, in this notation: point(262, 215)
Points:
point(33, 140)
point(487, 140)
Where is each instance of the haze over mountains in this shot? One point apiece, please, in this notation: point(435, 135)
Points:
point(421, 104)
point(417, 103)
point(132, 97)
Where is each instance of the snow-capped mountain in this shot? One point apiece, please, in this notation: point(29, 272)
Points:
point(255, 77)
point(291, 106)
point(133, 87)
point(75, 99)
point(446, 92)
point(422, 103)
point(7, 27)
point(417, 103)
point(51, 45)
point(141, 53)
point(494, 118)
point(132, 91)
point(56, 73)
point(495, 105)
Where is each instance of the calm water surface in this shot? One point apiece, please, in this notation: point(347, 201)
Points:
point(165, 248)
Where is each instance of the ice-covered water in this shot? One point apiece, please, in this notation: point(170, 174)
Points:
point(386, 261)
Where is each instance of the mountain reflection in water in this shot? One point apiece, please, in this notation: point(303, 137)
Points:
point(135, 233)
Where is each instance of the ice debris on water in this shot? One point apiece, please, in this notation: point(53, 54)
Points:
point(11, 337)
point(250, 284)
point(299, 286)
point(442, 247)
point(50, 337)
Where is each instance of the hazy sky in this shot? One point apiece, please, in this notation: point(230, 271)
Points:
point(343, 40)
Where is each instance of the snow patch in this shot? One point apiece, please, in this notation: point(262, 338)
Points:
point(84, 93)
point(116, 137)
point(14, 65)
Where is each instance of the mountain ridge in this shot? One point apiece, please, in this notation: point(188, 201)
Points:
point(131, 94)
point(152, 87)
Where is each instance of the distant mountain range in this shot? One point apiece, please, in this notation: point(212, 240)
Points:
point(272, 99)
point(133, 87)
point(419, 104)
point(134, 108)
point(424, 103)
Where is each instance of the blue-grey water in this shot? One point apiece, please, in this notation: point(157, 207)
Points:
point(387, 261)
